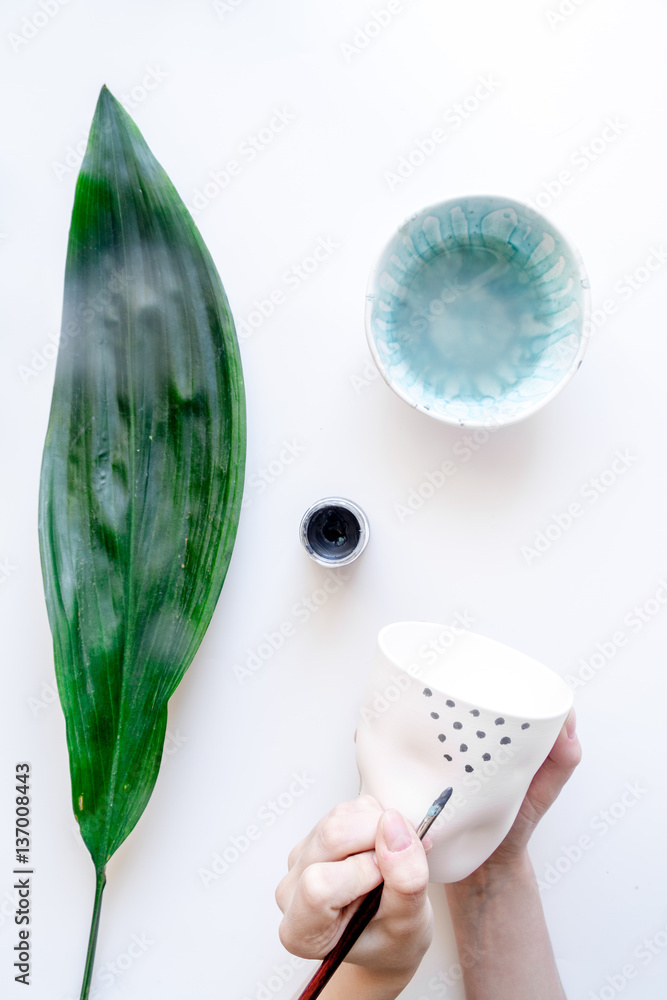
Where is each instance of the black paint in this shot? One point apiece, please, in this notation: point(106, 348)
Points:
point(505, 740)
point(446, 756)
point(469, 768)
point(486, 756)
point(526, 725)
point(474, 711)
point(457, 725)
point(481, 734)
point(500, 721)
point(333, 532)
point(450, 704)
point(428, 692)
point(442, 737)
point(463, 747)
point(434, 715)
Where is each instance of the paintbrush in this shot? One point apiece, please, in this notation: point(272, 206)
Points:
point(363, 915)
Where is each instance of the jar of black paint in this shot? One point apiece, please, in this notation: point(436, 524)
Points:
point(334, 531)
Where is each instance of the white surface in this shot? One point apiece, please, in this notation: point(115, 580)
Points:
point(235, 746)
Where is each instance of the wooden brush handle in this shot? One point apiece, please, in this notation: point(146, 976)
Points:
point(360, 920)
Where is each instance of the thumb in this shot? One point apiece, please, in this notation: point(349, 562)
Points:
point(402, 861)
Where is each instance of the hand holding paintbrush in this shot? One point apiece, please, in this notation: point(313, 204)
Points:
point(310, 866)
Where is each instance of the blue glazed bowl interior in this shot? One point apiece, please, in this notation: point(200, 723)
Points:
point(475, 311)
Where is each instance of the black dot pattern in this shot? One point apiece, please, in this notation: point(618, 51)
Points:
point(466, 731)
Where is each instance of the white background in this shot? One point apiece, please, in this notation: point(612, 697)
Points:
point(359, 101)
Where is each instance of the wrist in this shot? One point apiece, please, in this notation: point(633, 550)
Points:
point(393, 969)
point(493, 877)
point(366, 984)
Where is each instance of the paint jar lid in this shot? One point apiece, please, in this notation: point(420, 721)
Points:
point(334, 531)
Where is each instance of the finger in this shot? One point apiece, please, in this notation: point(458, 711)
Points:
point(347, 829)
point(295, 853)
point(323, 902)
point(556, 770)
point(402, 861)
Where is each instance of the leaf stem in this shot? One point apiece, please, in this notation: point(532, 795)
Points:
point(101, 881)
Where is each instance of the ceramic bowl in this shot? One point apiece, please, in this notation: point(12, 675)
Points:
point(476, 311)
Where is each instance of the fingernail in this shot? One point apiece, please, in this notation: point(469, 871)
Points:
point(375, 859)
point(427, 843)
point(571, 724)
point(396, 833)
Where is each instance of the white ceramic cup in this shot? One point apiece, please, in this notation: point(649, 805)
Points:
point(445, 706)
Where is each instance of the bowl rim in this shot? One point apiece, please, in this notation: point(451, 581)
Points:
point(584, 337)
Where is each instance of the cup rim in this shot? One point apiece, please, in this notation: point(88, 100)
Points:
point(583, 338)
point(559, 684)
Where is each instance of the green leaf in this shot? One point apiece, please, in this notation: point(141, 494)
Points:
point(142, 473)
